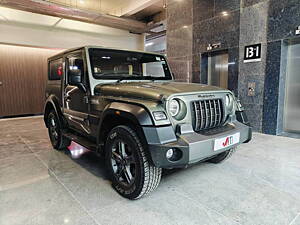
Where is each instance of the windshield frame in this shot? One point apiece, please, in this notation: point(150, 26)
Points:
point(167, 75)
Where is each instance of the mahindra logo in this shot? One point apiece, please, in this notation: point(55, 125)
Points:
point(228, 141)
point(206, 96)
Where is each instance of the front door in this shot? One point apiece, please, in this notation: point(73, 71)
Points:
point(76, 99)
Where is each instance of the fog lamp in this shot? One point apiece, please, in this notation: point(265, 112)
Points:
point(169, 153)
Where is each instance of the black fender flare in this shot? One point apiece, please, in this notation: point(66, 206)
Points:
point(53, 102)
point(137, 114)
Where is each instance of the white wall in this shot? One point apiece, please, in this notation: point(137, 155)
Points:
point(24, 28)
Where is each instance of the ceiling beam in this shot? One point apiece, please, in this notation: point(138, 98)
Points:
point(132, 6)
point(52, 9)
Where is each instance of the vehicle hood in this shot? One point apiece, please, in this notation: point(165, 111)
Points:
point(151, 90)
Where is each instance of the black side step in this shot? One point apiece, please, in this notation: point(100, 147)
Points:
point(82, 141)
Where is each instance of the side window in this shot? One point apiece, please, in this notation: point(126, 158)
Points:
point(75, 63)
point(55, 69)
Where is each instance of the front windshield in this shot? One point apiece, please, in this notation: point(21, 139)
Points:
point(117, 64)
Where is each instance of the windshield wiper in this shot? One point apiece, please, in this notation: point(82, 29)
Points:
point(125, 77)
point(152, 78)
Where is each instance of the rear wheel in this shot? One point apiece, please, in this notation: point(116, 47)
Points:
point(132, 175)
point(58, 141)
point(222, 156)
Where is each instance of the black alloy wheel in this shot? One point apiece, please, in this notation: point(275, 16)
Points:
point(123, 163)
point(58, 141)
point(132, 175)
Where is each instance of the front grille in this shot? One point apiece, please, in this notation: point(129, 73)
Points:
point(207, 114)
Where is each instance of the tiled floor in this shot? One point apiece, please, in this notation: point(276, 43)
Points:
point(259, 185)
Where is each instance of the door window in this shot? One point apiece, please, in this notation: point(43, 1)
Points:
point(75, 62)
point(56, 69)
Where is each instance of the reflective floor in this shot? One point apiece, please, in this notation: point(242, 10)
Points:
point(259, 185)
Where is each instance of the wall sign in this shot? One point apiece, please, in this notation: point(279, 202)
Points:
point(252, 53)
point(298, 31)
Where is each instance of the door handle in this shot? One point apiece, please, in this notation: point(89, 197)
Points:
point(86, 99)
point(1, 83)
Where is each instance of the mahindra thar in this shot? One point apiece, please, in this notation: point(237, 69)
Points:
point(126, 106)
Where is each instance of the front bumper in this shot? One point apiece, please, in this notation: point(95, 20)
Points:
point(194, 146)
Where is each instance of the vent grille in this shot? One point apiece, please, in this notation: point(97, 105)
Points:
point(207, 114)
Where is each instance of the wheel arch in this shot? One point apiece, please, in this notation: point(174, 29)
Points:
point(119, 113)
point(52, 103)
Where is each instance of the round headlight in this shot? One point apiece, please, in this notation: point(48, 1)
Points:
point(229, 102)
point(174, 107)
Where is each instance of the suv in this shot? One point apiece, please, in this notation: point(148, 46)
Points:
point(126, 106)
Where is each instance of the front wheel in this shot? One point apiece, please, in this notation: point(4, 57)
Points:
point(222, 156)
point(58, 141)
point(132, 175)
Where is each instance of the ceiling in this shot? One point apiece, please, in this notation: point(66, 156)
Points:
point(102, 6)
point(137, 16)
point(135, 9)
point(147, 13)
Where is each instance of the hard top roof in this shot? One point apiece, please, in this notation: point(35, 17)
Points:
point(100, 47)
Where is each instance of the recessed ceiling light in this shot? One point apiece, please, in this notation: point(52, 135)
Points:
point(224, 13)
point(149, 44)
point(185, 26)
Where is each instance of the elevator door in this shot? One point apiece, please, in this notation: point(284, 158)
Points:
point(292, 93)
point(218, 70)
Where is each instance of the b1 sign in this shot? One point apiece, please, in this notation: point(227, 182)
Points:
point(252, 53)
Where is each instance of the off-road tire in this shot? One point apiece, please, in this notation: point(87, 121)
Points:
point(147, 176)
point(222, 156)
point(60, 142)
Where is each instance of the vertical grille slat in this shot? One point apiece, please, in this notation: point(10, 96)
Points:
point(202, 118)
point(216, 116)
point(207, 114)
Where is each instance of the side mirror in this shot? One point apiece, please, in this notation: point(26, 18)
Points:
point(75, 79)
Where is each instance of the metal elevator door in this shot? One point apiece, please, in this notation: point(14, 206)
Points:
point(292, 91)
point(218, 70)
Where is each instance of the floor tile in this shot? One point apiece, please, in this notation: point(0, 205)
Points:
point(13, 150)
point(259, 185)
point(42, 202)
point(162, 207)
point(86, 179)
point(15, 172)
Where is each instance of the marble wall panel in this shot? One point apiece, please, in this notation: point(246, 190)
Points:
point(254, 23)
point(283, 19)
point(271, 88)
point(179, 14)
point(226, 6)
point(247, 3)
point(203, 10)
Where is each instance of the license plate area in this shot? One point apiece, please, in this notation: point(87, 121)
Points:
point(227, 141)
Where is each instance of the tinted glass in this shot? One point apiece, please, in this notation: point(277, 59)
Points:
point(115, 64)
point(76, 63)
point(56, 69)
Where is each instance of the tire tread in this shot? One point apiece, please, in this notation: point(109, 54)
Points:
point(152, 174)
